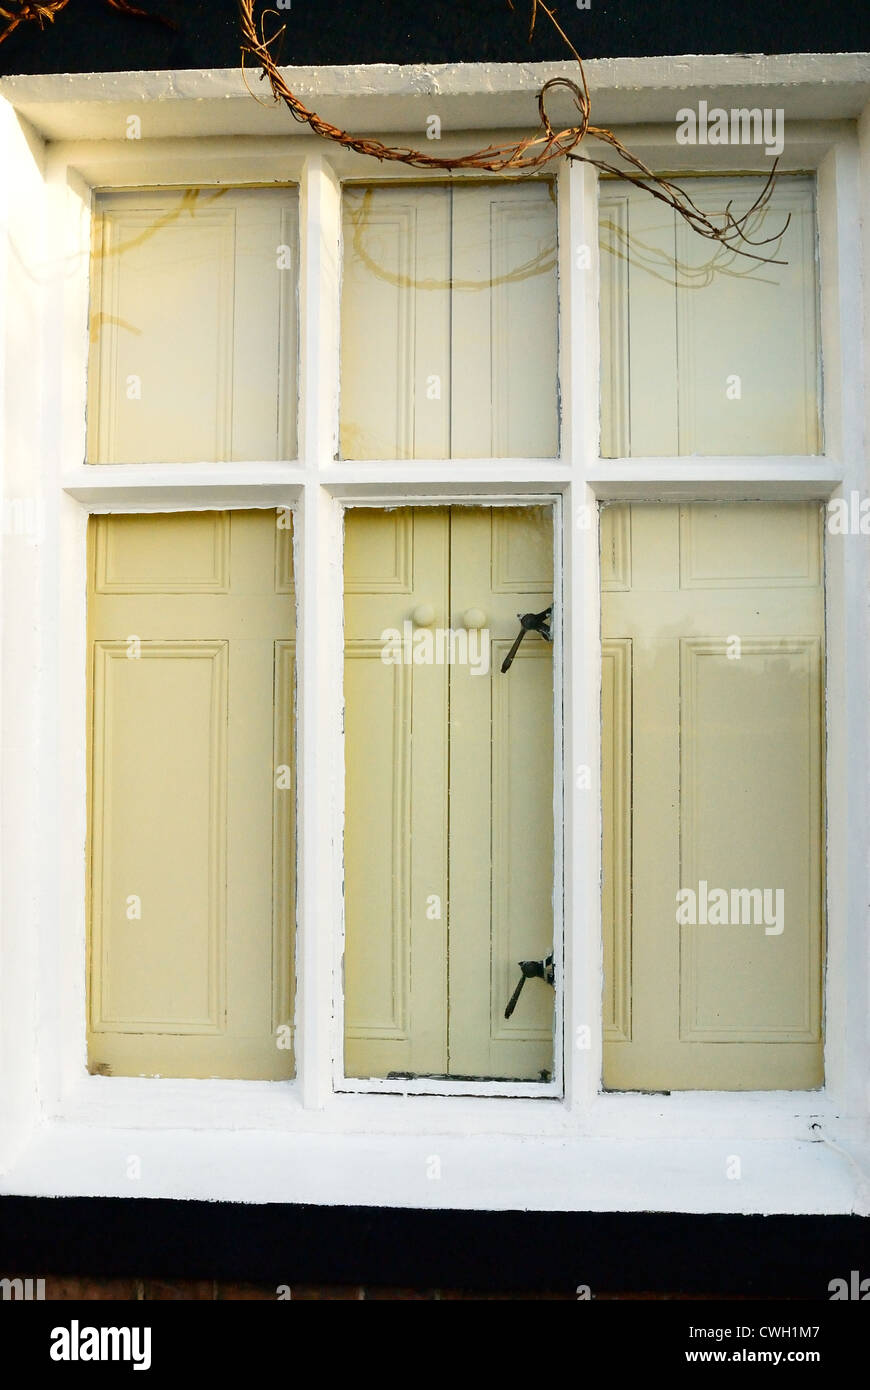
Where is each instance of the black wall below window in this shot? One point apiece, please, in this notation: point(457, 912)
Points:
point(714, 1256)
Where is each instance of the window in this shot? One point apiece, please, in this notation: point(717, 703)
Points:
point(712, 648)
point(647, 452)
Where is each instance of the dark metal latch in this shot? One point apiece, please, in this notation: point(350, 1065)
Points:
point(532, 970)
point(529, 622)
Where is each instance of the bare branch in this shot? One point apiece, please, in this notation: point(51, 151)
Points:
point(533, 151)
point(42, 11)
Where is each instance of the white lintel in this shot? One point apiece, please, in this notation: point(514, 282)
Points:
point(391, 97)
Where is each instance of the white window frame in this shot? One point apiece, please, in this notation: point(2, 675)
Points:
point(67, 1132)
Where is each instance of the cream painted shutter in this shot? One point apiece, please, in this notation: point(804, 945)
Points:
point(501, 798)
point(191, 839)
point(704, 351)
point(395, 323)
point(448, 796)
point(193, 326)
point(449, 324)
point(712, 699)
point(396, 816)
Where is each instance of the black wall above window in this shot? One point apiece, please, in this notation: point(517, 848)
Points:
point(88, 36)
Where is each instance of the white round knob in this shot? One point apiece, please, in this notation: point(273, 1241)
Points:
point(473, 618)
point(423, 615)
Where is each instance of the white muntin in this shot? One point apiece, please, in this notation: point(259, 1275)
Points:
point(739, 126)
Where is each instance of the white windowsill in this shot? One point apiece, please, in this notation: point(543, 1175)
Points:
point(646, 1158)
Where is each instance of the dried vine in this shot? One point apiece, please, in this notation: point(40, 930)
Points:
point(531, 152)
point(46, 11)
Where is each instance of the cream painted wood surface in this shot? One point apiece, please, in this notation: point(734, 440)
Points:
point(449, 321)
point(396, 798)
point(449, 795)
point(191, 642)
point(193, 326)
point(702, 351)
point(712, 634)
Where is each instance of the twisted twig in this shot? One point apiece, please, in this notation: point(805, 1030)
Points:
point(531, 152)
point(41, 11)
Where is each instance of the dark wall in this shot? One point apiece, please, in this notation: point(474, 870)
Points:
point(90, 37)
point(721, 1256)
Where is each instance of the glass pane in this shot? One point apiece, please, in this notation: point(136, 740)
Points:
point(712, 713)
point(449, 333)
point(449, 793)
point(702, 350)
point(193, 326)
point(191, 637)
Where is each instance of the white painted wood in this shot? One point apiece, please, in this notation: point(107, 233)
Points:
point(22, 252)
point(816, 86)
point(775, 475)
point(603, 1152)
point(847, 1044)
point(320, 240)
point(858, 784)
point(125, 1102)
point(319, 654)
point(581, 998)
point(495, 1173)
point(318, 731)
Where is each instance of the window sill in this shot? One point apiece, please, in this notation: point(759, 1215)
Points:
point(253, 1142)
point(216, 1106)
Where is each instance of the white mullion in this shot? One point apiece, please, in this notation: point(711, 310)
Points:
point(582, 660)
point(63, 625)
point(846, 997)
point(318, 569)
point(838, 247)
point(579, 332)
point(319, 780)
point(319, 273)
